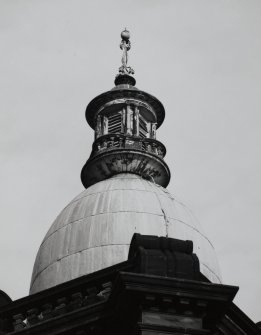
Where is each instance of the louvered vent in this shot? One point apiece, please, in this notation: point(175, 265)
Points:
point(143, 128)
point(114, 125)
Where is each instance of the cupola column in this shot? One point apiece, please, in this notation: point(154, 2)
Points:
point(98, 128)
point(123, 120)
point(153, 130)
point(136, 117)
point(104, 125)
point(129, 120)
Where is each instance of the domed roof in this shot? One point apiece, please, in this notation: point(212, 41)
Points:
point(94, 231)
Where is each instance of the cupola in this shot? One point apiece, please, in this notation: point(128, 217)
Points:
point(125, 121)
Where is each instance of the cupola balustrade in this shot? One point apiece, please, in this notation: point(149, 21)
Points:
point(117, 141)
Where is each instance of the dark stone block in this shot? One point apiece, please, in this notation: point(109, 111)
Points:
point(164, 256)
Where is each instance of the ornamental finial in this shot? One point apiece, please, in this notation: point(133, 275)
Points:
point(125, 46)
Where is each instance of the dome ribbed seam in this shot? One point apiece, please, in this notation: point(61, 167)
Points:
point(77, 252)
point(101, 246)
point(160, 215)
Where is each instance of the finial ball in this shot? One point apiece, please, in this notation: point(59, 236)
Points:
point(125, 35)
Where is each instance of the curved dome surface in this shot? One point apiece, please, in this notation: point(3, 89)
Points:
point(94, 231)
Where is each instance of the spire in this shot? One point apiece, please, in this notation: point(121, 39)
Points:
point(125, 120)
point(125, 47)
point(125, 71)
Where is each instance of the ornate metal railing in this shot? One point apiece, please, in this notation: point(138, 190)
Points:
point(118, 141)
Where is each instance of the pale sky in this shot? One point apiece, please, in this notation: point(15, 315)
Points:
point(201, 58)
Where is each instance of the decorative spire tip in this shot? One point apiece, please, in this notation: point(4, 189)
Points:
point(125, 47)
